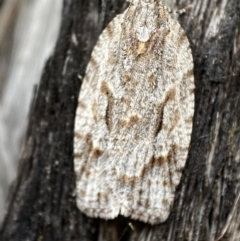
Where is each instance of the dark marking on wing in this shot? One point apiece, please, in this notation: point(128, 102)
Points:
point(188, 75)
point(93, 62)
point(153, 162)
point(170, 96)
point(128, 180)
point(159, 120)
point(77, 135)
point(81, 105)
point(109, 112)
point(96, 152)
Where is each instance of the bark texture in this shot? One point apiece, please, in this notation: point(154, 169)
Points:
point(42, 201)
point(28, 33)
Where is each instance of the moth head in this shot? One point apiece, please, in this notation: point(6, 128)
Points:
point(149, 15)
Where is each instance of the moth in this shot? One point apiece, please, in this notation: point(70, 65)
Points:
point(134, 116)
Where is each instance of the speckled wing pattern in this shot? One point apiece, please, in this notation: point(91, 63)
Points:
point(134, 117)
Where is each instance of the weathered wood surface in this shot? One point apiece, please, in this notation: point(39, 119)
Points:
point(42, 203)
point(28, 32)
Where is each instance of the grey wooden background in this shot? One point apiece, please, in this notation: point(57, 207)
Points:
point(42, 200)
point(28, 32)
